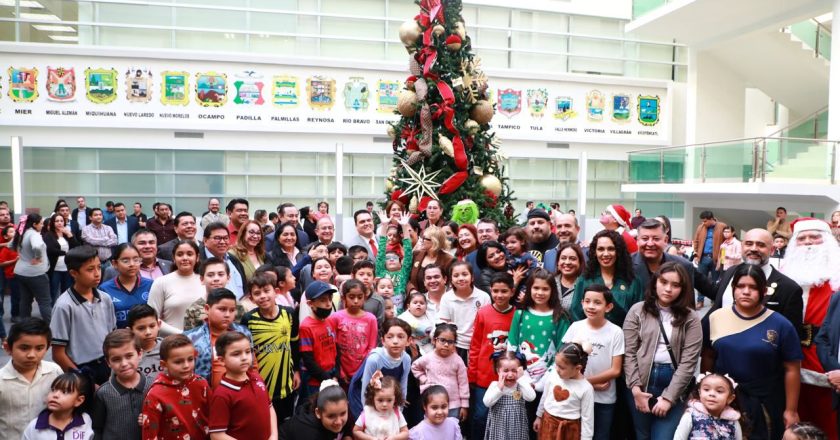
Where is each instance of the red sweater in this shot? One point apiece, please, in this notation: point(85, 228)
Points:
point(174, 410)
point(491, 328)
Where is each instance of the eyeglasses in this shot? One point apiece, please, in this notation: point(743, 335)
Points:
point(255, 233)
point(392, 258)
point(220, 238)
point(445, 341)
point(130, 260)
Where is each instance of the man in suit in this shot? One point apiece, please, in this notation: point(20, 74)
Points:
point(185, 229)
point(123, 225)
point(567, 230)
point(288, 213)
point(828, 346)
point(152, 267)
point(216, 244)
point(80, 217)
point(784, 296)
point(365, 235)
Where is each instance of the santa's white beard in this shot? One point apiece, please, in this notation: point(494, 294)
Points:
point(813, 265)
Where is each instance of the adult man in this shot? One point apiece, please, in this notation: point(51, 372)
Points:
point(122, 225)
point(616, 218)
point(566, 230)
point(779, 224)
point(6, 217)
point(369, 207)
point(161, 224)
point(80, 216)
point(325, 230)
point(540, 238)
point(216, 244)
point(434, 215)
point(487, 230)
point(152, 267)
point(213, 214)
point(364, 236)
point(184, 229)
point(784, 296)
point(523, 217)
point(828, 350)
point(64, 210)
point(108, 213)
point(237, 210)
point(707, 240)
point(287, 213)
point(99, 236)
point(637, 219)
point(812, 260)
point(138, 214)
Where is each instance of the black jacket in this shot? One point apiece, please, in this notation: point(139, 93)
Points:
point(132, 224)
point(74, 225)
point(785, 299)
point(698, 281)
point(54, 248)
point(828, 341)
point(304, 425)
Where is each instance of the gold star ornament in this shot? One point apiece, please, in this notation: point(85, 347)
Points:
point(419, 182)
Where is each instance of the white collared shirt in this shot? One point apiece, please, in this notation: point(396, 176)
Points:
point(21, 400)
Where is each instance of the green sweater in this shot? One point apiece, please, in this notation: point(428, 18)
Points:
point(625, 295)
point(537, 329)
point(400, 277)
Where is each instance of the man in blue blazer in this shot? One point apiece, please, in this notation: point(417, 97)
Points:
point(124, 226)
point(828, 345)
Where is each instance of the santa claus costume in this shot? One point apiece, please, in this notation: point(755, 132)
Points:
point(813, 261)
point(622, 217)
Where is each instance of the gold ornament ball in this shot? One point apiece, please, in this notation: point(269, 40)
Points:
point(460, 30)
point(407, 103)
point(446, 146)
point(389, 185)
point(438, 30)
point(409, 32)
point(482, 112)
point(392, 132)
point(492, 184)
point(472, 127)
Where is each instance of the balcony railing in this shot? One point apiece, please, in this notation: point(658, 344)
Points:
point(642, 7)
point(763, 159)
point(815, 35)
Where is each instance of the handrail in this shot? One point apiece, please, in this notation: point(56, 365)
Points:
point(730, 141)
point(798, 121)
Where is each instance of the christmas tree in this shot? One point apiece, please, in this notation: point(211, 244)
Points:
point(443, 148)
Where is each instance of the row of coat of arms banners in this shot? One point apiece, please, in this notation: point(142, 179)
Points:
point(212, 90)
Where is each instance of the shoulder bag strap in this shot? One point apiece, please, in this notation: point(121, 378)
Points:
point(667, 343)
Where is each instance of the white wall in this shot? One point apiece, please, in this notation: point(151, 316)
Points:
point(720, 101)
point(622, 9)
point(759, 112)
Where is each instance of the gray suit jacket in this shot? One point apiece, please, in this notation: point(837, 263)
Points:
point(357, 240)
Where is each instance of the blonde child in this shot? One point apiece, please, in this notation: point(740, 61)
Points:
point(421, 322)
point(443, 367)
point(63, 413)
point(436, 425)
point(381, 417)
point(506, 397)
point(566, 410)
point(712, 411)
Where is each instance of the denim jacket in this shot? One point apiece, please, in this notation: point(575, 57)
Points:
point(200, 337)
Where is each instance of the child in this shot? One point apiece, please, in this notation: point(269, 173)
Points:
point(119, 400)
point(285, 284)
point(336, 250)
point(388, 264)
point(355, 329)
point(261, 281)
point(390, 309)
point(489, 337)
point(363, 271)
point(515, 241)
point(711, 412)
point(176, 405)
point(506, 397)
point(26, 374)
point(422, 324)
point(604, 362)
point(566, 410)
point(241, 407)
point(804, 431)
point(357, 253)
point(214, 273)
point(63, 417)
point(780, 243)
point(8, 258)
point(145, 326)
point(460, 305)
point(317, 337)
point(730, 249)
point(390, 359)
point(322, 417)
point(82, 317)
point(221, 311)
point(274, 330)
point(437, 425)
point(381, 417)
point(384, 287)
point(440, 367)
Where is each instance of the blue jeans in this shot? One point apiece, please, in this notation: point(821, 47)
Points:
point(479, 412)
point(603, 420)
point(59, 283)
point(649, 426)
point(707, 269)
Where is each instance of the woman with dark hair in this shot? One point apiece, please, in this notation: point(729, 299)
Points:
point(173, 293)
point(666, 222)
point(467, 241)
point(450, 229)
point(491, 259)
point(662, 325)
point(322, 417)
point(760, 350)
point(31, 269)
point(569, 268)
point(609, 264)
point(285, 251)
point(59, 239)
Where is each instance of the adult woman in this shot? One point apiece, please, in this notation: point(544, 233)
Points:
point(59, 239)
point(569, 268)
point(394, 209)
point(491, 259)
point(310, 219)
point(609, 264)
point(450, 229)
point(31, 269)
point(433, 252)
point(249, 248)
point(128, 288)
point(285, 251)
point(467, 241)
point(760, 350)
point(666, 222)
point(172, 294)
point(648, 369)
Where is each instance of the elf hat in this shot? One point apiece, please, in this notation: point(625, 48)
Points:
point(620, 214)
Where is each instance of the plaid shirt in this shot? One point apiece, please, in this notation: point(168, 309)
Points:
point(200, 337)
point(102, 238)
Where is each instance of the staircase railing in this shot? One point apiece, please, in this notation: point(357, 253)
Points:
point(815, 35)
point(738, 160)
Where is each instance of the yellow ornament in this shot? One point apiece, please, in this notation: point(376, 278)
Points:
point(392, 132)
point(460, 30)
point(407, 103)
point(446, 145)
point(438, 30)
point(472, 126)
point(409, 32)
point(412, 206)
point(482, 112)
point(492, 183)
point(389, 185)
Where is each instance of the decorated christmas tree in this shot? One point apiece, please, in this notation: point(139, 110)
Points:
point(443, 148)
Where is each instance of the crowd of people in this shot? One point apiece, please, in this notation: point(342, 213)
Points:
point(223, 325)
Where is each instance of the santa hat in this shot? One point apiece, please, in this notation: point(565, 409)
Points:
point(809, 224)
point(620, 214)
